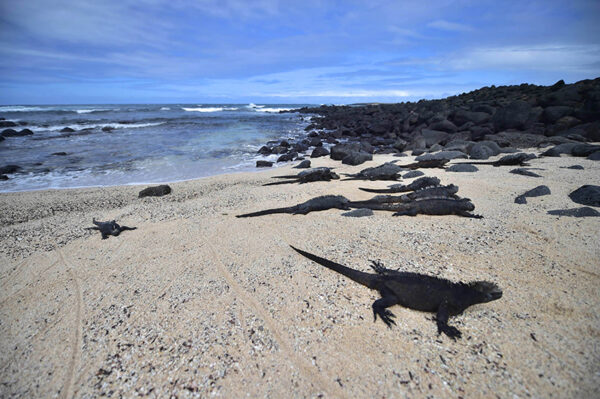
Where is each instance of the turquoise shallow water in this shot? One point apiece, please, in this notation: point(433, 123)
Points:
point(129, 144)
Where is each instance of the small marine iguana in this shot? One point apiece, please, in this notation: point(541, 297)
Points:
point(306, 176)
point(420, 183)
point(520, 159)
point(387, 171)
point(428, 164)
point(322, 203)
point(109, 228)
point(416, 291)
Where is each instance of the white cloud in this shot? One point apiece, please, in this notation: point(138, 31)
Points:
point(449, 26)
point(576, 58)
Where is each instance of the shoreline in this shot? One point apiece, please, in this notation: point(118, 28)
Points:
point(220, 305)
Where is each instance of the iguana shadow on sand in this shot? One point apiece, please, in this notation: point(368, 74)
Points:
point(416, 291)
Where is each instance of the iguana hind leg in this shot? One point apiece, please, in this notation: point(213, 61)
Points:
point(378, 267)
point(379, 308)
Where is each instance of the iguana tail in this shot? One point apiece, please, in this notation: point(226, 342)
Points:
point(366, 279)
point(383, 190)
point(281, 182)
point(267, 212)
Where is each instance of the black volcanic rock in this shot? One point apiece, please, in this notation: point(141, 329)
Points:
point(534, 192)
point(9, 169)
point(303, 165)
point(14, 133)
point(462, 168)
point(67, 130)
point(584, 195)
point(264, 164)
point(319, 152)
point(7, 124)
point(514, 116)
point(340, 151)
point(357, 158)
point(156, 191)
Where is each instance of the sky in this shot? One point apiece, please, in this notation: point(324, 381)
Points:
point(276, 51)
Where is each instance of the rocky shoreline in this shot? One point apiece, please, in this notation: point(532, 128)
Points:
point(477, 125)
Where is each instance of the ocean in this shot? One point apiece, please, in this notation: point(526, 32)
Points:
point(139, 144)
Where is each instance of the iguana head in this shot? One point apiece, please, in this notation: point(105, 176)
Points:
point(487, 291)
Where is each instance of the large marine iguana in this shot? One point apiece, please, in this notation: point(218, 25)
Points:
point(416, 291)
point(387, 171)
point(109, 228)
point(520, 159)
point(306, 176)
point(420, 183)
point(427, 164)
point(424, 206)
point(448, 191)
point(322, 203)
point(436, 206)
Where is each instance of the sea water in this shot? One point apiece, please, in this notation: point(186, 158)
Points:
point(134, 144)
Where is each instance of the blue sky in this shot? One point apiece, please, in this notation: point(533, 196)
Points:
point(310, 51)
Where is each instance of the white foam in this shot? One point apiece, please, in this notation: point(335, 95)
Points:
point(19, 108)
point(77, 126)
point(87, 111)
point(165, 109)
point(254, 106)
point(275, 110)
point(208, 109)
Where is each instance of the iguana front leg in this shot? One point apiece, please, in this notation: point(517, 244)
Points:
point(441, 318)
point(379, 308)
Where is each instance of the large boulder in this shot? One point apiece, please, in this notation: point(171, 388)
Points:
point(586, 195)
point(556, 151)
point(462, 116)
point(319, 152)
point(514, 116)
point(444, 126)
point(340, 151)
point(434, 137)
point(554, 113)
point(484, 150)
point(441, 155)
point(357, 158)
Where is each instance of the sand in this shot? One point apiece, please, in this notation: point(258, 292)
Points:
point(196, 302)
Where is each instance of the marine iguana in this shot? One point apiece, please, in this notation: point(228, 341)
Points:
point(322, 203)
point(427, 164)
point(387, 171)
point(109, 228)
point(520, 159)
point(306, 176)
point(416, 291)
point(420, 183)
point(428, 192)
point(425, 206)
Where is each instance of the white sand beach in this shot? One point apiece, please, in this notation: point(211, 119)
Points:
point(197, 302)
